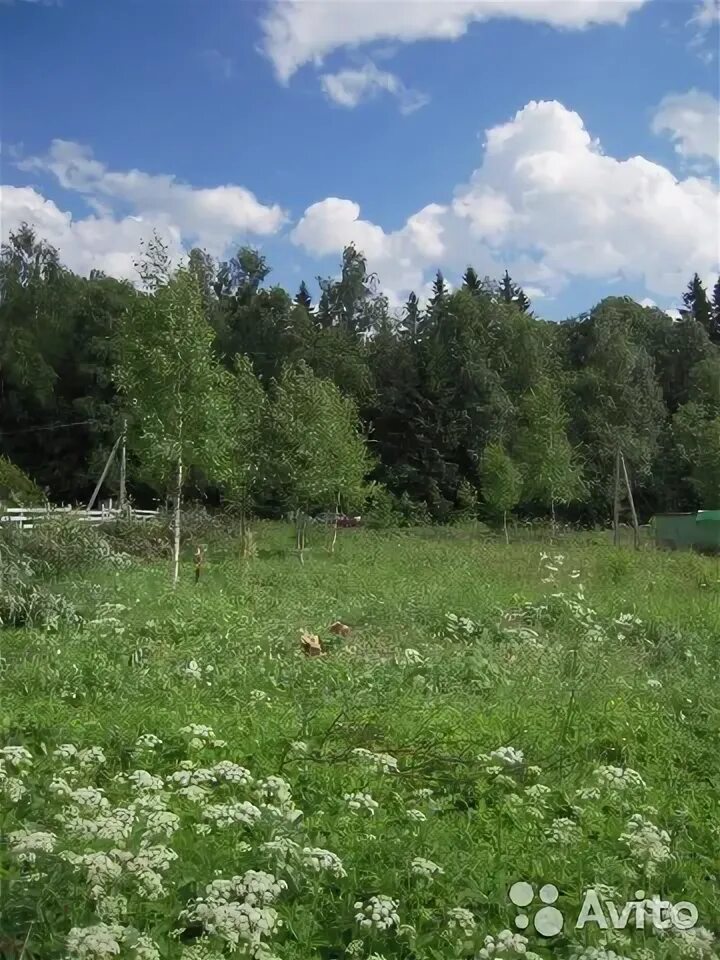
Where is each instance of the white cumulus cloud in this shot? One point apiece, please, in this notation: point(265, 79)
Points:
point(296, 32)
point(548, 203)
point(127, 206)
point(692, 120)
point(353, 86)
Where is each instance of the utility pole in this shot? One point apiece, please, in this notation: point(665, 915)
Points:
point(100, 482)
point(123, 467)
point(636, 526)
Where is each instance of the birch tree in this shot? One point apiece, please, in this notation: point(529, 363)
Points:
point(319, 452)
point(248, 443)
point(501, 483)
point(176, 394)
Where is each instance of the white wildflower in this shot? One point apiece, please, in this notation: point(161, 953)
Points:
point(94, 943)
point(508, 756)
point(147, 741)
point(318, 860)
point(506, 945)
point(227, 814)
point(379, 913)
point(66, 751)
point(425, 868)
point(142, 780)
point(460, 919)
point(91, 756)
point(563, 831)
point(383, 762)
point(619, 778)
point(416, 815)
point(232, 772)
point(361, 801)
point(18, 757)
point(26, 844)
point(654, 683)
point(648, 844)
point(161, 823)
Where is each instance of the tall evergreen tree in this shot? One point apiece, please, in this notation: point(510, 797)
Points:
point(697, 303)
point(715, 331)
point(303, 298)
point(411, 317)
point(439, 291)
point(471, 281)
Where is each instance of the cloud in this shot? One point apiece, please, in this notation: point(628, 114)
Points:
point(127, 206)
point(692, 120)
point(296, 32)
point(90, 243)
point(350, 87)
point(549, 204)
point(209, 216)
point(705, 16)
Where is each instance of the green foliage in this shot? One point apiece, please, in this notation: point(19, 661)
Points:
point(319, 455)
point(16, 487)
point(546, 460)
point(176, 395)
point(393, 712)
point(501, 481)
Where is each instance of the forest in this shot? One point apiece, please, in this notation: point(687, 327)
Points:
point(470, 402)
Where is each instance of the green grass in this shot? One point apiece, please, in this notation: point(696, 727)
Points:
point(566, 686)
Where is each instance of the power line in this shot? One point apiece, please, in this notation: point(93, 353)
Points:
point(54, 426)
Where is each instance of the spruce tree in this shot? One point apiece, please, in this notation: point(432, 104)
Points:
point(697, 303)
point(471, 281)
point(715, 330)
point(303, 298)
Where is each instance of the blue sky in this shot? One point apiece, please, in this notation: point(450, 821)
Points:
point(493, 132)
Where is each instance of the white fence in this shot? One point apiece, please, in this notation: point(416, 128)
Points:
point(27, 517)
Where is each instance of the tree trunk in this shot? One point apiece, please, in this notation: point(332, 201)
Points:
point(334, 539)
point(552, 513)
point(176, 521)
point(505, 526)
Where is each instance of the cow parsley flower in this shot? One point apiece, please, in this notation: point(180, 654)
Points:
point(232, 772)
point(66, 751)
point(619, 778)
point(648, 844)
point(462, 920)
point(147, 741)
point(507, 756)
point(99, 942)
point(425, 868)
point(379, 913)
point(18, 757)
point(383, 762)
point(319, 860)
point(564, 831)
point(142, 780)
point(227, 814)
point(27, 844)
point(361, 801)
point(506, 945)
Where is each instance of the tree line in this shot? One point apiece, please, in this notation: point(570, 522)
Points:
point(236, 389)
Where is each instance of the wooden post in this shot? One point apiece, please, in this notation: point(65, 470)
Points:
point(123, 467)
point(616, 511)
point(100, 482)
point(636, 526)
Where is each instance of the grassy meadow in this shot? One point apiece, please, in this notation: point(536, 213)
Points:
point(181, 780)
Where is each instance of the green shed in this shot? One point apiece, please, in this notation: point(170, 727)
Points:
point(689, 531)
